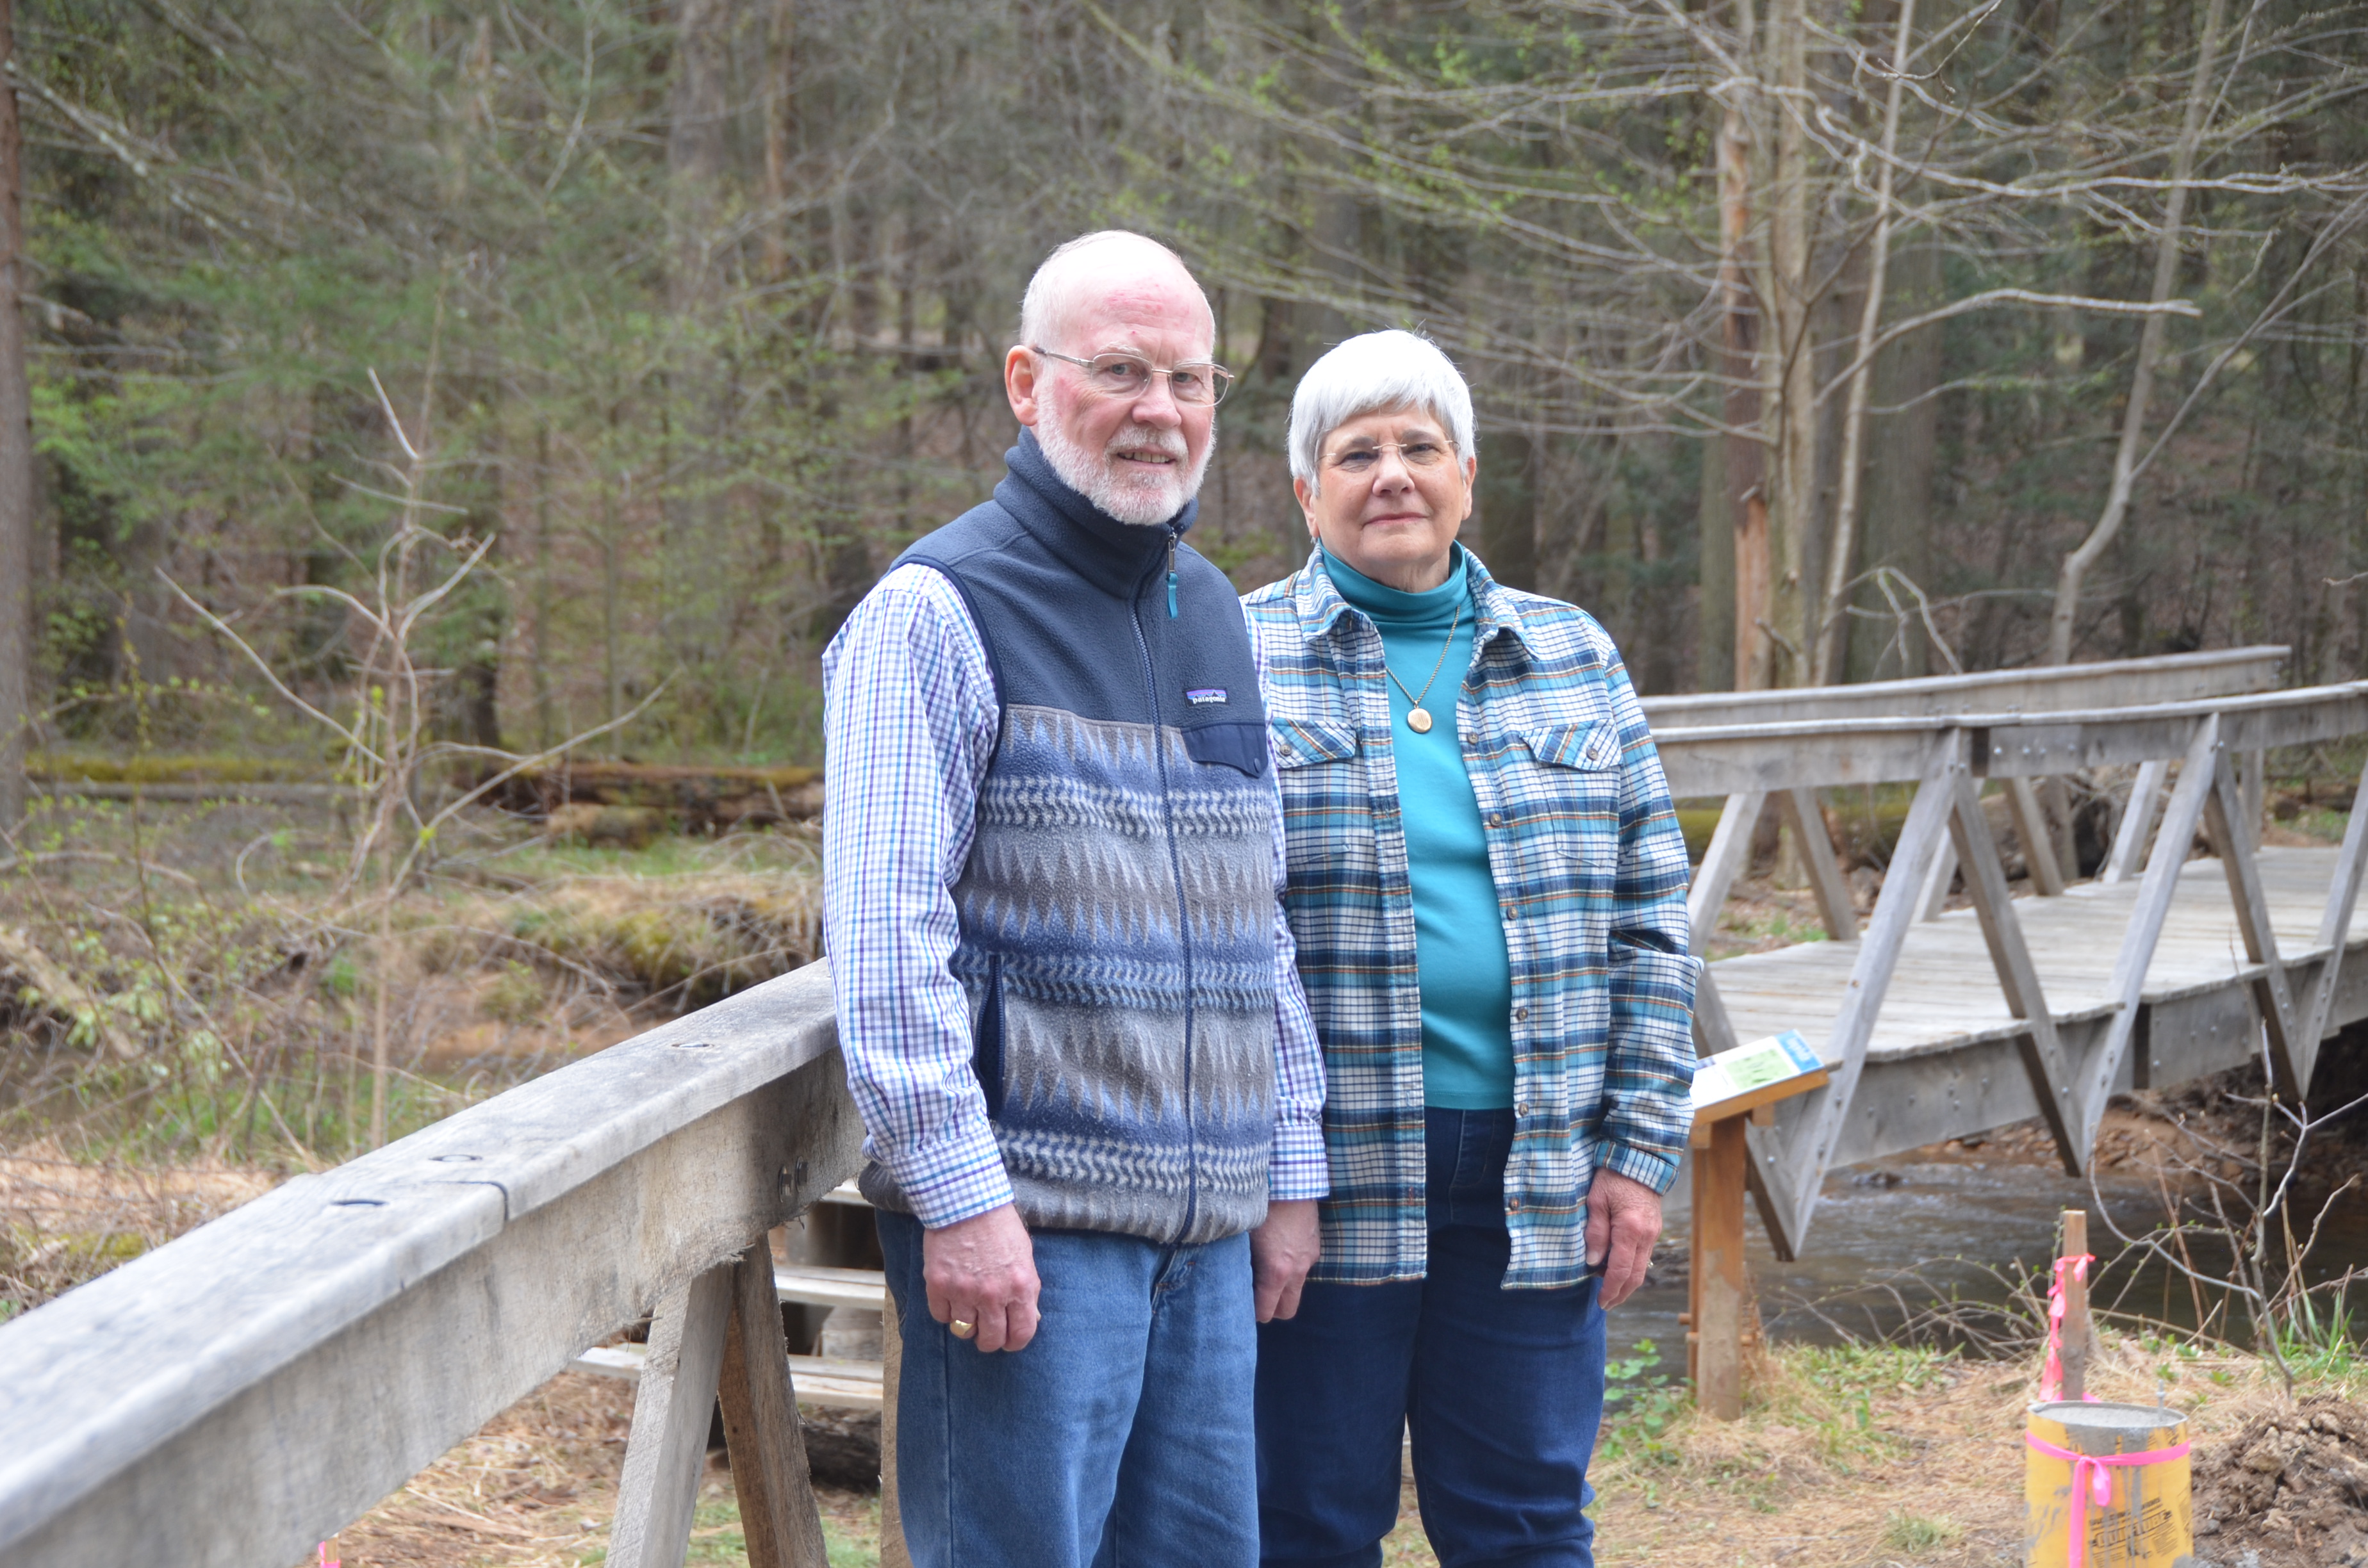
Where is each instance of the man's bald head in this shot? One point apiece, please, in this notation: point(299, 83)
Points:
point(1108, 266)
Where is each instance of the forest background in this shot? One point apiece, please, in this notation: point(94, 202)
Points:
point(1986, 332)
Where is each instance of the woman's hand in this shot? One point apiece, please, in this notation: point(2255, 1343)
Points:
point(1282, 1252)
point(1623, 1221)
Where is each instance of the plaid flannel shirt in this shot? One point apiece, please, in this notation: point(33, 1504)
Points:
point(1591, 872)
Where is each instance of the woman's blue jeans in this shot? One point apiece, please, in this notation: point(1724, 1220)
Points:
point(1503, 1390)
point(1119, 1438)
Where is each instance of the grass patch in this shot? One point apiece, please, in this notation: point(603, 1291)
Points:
point(1915, 1532)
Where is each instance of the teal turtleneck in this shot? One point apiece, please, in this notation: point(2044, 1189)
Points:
point(1466, 979)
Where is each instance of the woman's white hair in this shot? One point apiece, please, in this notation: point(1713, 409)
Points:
point(1365, 375)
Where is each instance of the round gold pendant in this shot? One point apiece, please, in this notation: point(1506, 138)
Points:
point(1418, 721)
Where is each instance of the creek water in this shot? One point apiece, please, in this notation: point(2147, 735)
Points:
point(1966, 1227)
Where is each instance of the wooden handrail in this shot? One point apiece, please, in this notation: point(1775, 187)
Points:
point(2169, 677)
point(250, 1388)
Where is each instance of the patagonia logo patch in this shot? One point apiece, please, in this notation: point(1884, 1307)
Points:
point(1205, 696)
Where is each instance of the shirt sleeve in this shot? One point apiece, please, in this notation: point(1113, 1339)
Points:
point(1298, 1168)
point(909, 719)
point(1649, 1065)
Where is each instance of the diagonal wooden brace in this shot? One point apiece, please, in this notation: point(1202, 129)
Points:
point(2196, 771)
point(2043, 1053)
point(2291, 1056)
point(1808, 821)
point(667, 1447)
point(2334, 924)
point(1817, 1131)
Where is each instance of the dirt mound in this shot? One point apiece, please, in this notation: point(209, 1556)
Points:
point(2290, 1488)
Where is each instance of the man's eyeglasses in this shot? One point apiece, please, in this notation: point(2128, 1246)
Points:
point(1416, 454)
point(1200, 383)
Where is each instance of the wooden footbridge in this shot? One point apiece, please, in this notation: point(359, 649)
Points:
point(249, 1389)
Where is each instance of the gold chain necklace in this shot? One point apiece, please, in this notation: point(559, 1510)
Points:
point(1417, 716)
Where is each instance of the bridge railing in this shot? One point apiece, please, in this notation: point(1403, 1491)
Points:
point(246, 1391)
point(1946, 754)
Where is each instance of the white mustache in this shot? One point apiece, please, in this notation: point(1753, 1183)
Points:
point(1148, 443)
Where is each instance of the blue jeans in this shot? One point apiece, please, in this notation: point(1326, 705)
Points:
point(1119, 1438)
point(1503, 1390)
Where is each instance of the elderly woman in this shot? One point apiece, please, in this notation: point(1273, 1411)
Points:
point(1487, 885)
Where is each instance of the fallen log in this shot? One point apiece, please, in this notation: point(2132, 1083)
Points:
point(691, 798)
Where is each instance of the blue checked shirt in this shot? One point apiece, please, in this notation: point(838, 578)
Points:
point(910, 724)
point(1591, 872)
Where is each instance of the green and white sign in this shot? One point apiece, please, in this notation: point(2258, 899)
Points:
point(1734, 1074)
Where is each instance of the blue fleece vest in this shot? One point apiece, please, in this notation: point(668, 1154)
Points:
point(1117, 911)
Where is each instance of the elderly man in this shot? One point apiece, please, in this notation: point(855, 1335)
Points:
point(1091, 1092)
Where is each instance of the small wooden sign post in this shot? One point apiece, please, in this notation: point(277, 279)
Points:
point(1744, 1081)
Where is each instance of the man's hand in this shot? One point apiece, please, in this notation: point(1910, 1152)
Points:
point(1623, 1217)
point(1282, 1252)
point(982, 1270)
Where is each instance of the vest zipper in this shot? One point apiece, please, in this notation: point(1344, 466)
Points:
point(1176, 869)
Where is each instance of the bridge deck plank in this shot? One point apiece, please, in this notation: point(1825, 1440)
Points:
point(1945, 990)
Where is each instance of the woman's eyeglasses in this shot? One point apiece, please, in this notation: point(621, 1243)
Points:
point(1129, 376)
point(1416, 454)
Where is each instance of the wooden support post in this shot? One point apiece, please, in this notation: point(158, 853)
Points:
point(2291, 1057)
point(2079, 1336)
point(2043, 1054)
point(2137, 820)
point(2055, 805)
point(778, 1514)
point(1808, 823)
point(2038, 839)
point(893, 1551)
point(2257, 794)
point(667, 1447)
point(1934, 898)
point(1717, 1288)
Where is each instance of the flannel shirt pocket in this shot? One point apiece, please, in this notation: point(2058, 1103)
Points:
point(1577, 780)
point(1303, 742)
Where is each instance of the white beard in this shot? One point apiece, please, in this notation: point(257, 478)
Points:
point(1142, 498)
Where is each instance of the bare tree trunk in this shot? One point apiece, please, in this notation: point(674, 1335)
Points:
point(1898, 513)
point(546, 728)
point(780, 101)
point(695, 142)
point(1832, 652)
point(16, 464)
point(1743, 459)
point(2150, 336)
point(1715, 599)
point(1788, 358)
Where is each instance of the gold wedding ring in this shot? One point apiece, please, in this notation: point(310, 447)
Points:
point(963, 1328)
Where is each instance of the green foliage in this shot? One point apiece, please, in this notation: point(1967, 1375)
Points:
point(1915, 1532)
point(1640, 1403)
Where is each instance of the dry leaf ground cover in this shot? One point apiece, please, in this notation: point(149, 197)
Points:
point(1844, 1458)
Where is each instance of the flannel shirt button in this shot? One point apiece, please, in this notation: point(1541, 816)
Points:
point(1513, 1205)
point(1520, 1014)
point(1522, 1107)
point(1510, 914)
point(1495, 820)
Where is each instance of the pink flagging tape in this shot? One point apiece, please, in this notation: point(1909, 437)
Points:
point(2089, 1476)
point(2051, 1382)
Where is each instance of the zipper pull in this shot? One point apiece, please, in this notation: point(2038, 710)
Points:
point(1171, 574)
